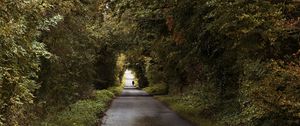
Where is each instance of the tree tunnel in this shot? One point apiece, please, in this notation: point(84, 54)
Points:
point(233, 61)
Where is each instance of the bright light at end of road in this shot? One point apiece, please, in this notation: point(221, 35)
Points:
point(129, 75)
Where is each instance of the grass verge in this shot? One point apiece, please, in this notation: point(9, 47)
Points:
point(157, 89)
point(187, 111)
point(84, 112)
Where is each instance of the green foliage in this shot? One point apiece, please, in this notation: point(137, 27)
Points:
point(269, 92)
point(235, 60)
point(223, 49)
point(157, 89)
point(137, 64)
point(116, 90)
point(228, 46)
point(51, 56)
point(83, 112)
point(21, 23)
point(186, 110)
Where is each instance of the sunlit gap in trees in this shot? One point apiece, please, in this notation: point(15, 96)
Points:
point(129, 77)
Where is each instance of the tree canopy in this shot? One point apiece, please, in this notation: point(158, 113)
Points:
point(233, 61)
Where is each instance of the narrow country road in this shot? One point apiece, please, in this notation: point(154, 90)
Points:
point(136, 108)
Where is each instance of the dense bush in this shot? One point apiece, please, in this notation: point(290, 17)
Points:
point(21, 23)
point(235, 49)
point(53, 53)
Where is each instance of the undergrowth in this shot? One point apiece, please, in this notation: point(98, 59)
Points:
point(196, 104)
point(85, 112)
point(186, 110)
point(157, 89)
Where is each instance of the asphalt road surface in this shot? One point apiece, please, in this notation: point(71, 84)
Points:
point(136, 108)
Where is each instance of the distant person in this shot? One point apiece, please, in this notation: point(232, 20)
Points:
point(132, 83)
